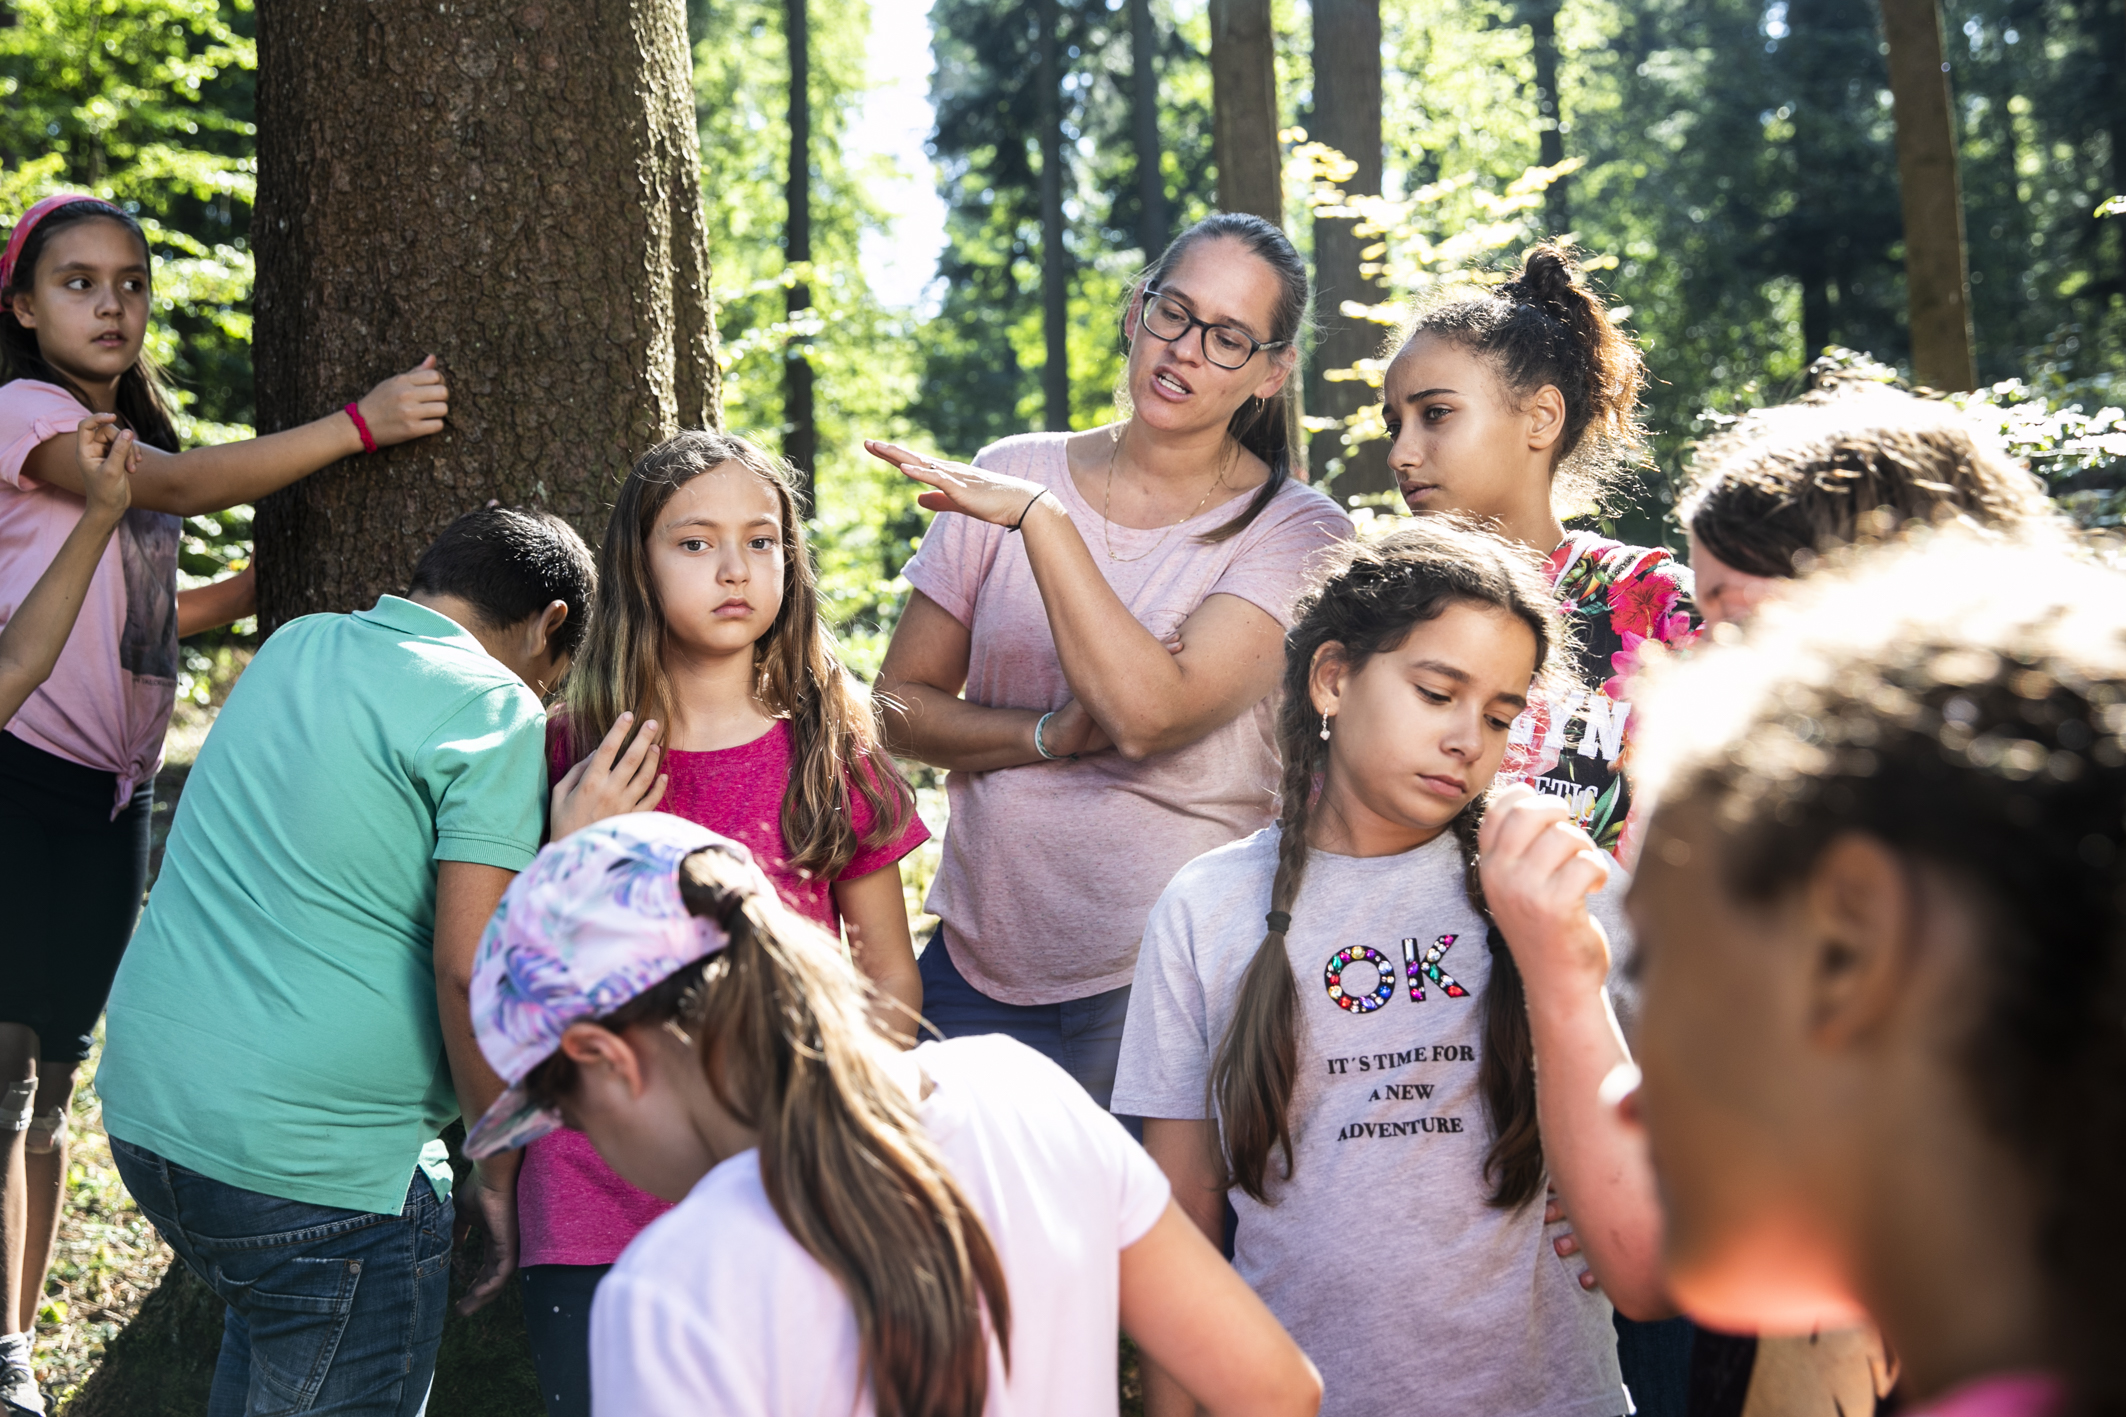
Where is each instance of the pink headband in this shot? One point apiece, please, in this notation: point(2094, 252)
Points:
point(29, 222)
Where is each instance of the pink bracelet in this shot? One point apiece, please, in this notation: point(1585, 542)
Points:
point(368, 443)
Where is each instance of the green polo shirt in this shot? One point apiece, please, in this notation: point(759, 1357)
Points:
point(274, 1021)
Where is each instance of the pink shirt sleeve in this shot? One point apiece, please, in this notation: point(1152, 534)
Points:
point(30, 412)
point(877, 858)
point(1282, 551)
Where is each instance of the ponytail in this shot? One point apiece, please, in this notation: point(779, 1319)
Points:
point(1546, 325)
point(1268, 428)
point(789, 1050)
point(1370, 598)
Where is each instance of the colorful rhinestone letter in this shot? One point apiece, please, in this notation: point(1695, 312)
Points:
point(1420, 970)
point(1379, 994)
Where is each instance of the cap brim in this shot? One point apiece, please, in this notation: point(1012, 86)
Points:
point(515, 1120)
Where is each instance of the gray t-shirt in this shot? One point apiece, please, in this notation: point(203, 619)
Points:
point(1380, 1256)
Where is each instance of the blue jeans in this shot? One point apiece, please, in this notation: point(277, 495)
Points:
point(557, 1316)
point(330, 1311)
point(1082, 1036)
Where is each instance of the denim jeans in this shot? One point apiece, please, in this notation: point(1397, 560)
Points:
point(557, 1316)
point(1081, 1036)
point(330, 1311)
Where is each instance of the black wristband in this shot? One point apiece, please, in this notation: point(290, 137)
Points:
point(1025, 509)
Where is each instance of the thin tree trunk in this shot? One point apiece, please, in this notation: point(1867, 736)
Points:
point(514, 187)
point(1244, 108)
point(1055, 270)
point(1937, 280)
point(1542, 17)
point(1347, 106)
point(1144, 121)
point(800, 437)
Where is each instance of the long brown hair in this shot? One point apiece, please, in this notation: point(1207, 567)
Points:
point(143, 400)
point(1373, 595)
point(789, 1048)
point(834, 738)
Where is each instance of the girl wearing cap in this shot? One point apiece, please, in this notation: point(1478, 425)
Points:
point(78, 760)
point(953, 1230)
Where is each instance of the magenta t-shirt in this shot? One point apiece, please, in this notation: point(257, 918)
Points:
point(571, 1208)
point(108, 700)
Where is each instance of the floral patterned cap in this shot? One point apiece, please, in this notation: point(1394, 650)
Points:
point(595, 920)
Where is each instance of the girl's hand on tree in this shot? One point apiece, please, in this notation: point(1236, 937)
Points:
point(407, 406)
point(962, 487)
point(107, 457)
point(609, 783)
point(1538, 870)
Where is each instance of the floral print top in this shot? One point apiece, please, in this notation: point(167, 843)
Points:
point(1573, 742)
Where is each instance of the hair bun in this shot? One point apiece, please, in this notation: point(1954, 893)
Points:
point(1546, 281)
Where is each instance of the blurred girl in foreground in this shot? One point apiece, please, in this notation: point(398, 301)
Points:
point(1882, 937)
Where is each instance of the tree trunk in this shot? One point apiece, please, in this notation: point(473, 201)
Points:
point(1542, 17)
point(1055, 270)
point(800, 442)
point(1244, 108)
point(1347, 47)
point(1144, 122)
point(1937, 280)
point(514, 187)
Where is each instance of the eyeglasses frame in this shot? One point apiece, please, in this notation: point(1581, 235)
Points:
point(1256, 346)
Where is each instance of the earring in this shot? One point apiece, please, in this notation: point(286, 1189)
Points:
point(1325, 727)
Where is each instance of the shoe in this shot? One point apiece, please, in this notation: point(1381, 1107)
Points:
point(19, 1396)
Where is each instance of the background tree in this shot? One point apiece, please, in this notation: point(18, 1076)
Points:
point(1055, 261)
point(1345, 116)
point(1245, 108)
point(1937, 279)
point(1144, 126)
point(540, 229)
point(800, 440)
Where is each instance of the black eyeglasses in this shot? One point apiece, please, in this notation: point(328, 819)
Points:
point(1226, 346)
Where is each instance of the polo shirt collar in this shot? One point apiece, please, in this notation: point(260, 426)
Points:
point(394, 612)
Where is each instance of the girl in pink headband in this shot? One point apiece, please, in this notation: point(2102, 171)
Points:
point(78, 756)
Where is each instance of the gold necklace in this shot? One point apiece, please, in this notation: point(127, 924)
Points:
point(1107, 532)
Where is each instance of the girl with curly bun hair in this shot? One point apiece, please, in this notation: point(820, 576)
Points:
point(1518, 404)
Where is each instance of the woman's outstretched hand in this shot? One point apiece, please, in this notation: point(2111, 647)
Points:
point(962, 487)
point(407, 406)
point(1538, 870)
point(609, 782)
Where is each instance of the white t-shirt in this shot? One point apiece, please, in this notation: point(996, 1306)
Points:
point(1380, 1256)
point(715, 1309)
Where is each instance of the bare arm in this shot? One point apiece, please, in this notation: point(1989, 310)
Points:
point(466, 896)
point(38, 630)
point(918, 692)
point(876, 914)
point(406, 406)
point(1146, 698)
point(218, 603)
point(1201, 1324)
point(1187, 1151)
point(1538, 871)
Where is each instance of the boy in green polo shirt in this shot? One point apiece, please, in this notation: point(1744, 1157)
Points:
point(289, 1031)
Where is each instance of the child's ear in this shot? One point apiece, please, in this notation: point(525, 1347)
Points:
point(594, 1048)
point(551, 619)
point(1325, 682)
point(1546, 419)
point(24, 308)
point(1861, 912)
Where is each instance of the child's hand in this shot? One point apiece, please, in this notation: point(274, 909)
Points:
point(1538, 870)
point(107, 457)
point(407, 406)
point(1568, 1244)
point(609, 782)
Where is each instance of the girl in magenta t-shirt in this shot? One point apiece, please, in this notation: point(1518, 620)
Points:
point(78, 756)
point(707, 629)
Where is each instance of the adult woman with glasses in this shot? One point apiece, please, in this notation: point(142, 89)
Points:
point(1096, 623)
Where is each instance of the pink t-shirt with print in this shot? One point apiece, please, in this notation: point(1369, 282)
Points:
point(108, 700)
point(1050, 870)
point(571, 1208)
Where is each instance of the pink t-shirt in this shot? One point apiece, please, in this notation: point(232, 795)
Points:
point(2008, 1395)
point(1050, 869)
point(571, 1208)
point(108, 701)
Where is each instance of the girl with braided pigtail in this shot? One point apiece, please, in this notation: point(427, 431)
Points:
point(1359, 1078)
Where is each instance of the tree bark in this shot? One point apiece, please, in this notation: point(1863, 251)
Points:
point(1937, 279)
point(512, 185)
point(1347, 88)
point(1542, 17)
point(800, 442)
point(1244, 109)
point(1144, 122)
point(1055, 269)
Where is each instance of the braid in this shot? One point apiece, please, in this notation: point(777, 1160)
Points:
point(1506, 1074)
